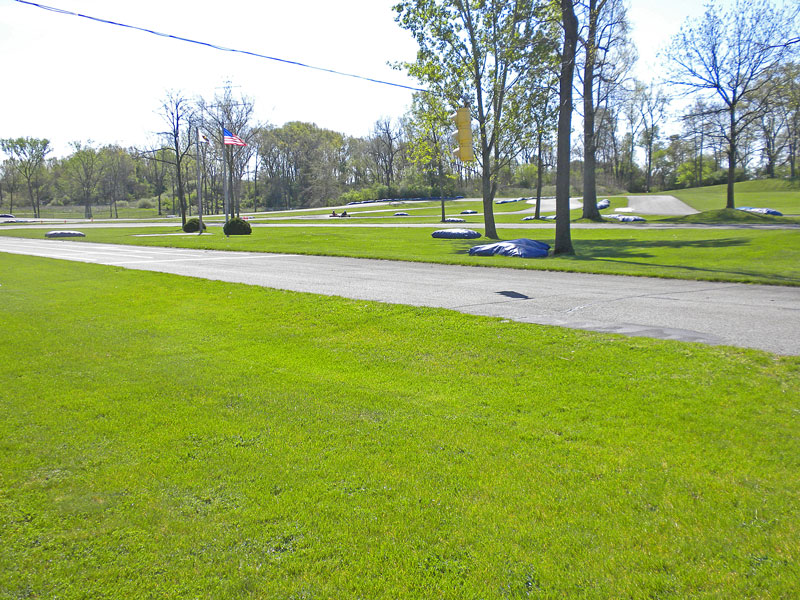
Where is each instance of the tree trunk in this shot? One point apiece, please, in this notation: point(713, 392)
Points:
point(563, 241)
point(731, 158)
point(700, 173)
point(490, 230)
point(539, 165)
point(181, 197)
point(589, 176)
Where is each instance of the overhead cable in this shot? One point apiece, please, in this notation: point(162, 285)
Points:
point(222, 48)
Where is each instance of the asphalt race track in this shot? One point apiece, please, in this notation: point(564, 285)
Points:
point(749, 316)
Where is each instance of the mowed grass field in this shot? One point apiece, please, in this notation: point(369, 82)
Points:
point(782, 195)
point(740, 255)
point(181, 438)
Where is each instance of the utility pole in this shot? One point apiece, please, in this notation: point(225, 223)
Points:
point(225, 199)
point(199, 183)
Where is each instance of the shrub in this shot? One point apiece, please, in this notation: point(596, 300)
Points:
point(237, 226)
point(193, 225)
point(145, 203)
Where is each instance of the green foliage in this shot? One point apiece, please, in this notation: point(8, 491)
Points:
point(145, 203)
point(193, 226)
point(457, 43)
point(376, 191)
point(237, 226)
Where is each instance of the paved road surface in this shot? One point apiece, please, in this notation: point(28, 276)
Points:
point(752, 316)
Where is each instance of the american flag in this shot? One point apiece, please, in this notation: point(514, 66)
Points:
point(230, 139)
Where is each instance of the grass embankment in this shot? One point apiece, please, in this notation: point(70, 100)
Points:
point(732, 216)
point(783, 196)
point(752, 256)
point(182, 438)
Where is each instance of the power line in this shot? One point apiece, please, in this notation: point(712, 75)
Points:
point(222, 48)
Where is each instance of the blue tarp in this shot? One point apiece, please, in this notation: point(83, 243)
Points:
point(456, 234)
point(601, 204)
point(523, 247)
point(64, 233)
point(624, 218)
point(762, 211)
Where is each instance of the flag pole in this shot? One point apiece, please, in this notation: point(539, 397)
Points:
point(199, 184)
point(224, 174)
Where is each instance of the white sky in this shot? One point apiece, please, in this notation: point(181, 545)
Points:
point(67, 78)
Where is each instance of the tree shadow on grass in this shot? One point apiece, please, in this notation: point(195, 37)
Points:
point(604, 248)
point(622, 252)
point(621, 248)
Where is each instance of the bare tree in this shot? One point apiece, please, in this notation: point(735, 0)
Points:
point(177, 111)
point(728, 54)
point(386, 144)
point(156, 170)
point(651, 102)
point(233, 114)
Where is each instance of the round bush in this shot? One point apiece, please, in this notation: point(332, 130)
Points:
point(237, 226)
point(193, 225)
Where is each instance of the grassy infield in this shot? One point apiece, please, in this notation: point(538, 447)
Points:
point(179, 438)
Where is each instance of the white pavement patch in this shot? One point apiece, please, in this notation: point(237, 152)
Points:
point(752, 316)
point(548, 205)
point(659, 205)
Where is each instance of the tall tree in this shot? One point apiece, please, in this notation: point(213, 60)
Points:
point(177, 112)
point(118, 172)
point(29, 156)
point(235, 115)
point(651, 102)
point(485, 55)
point(563, 241)
point(84, 169)
point(789, 89)
point(728, 53)
point(156, 160)
point(544, 114)
point(9, 181)
point(606, 60)
point(427, 146)
point(386, 144)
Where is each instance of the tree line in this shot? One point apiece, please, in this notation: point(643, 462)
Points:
point(525, 69)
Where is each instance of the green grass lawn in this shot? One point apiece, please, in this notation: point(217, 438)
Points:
point(743, 255)
point(180, 438)
point(783, 196)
